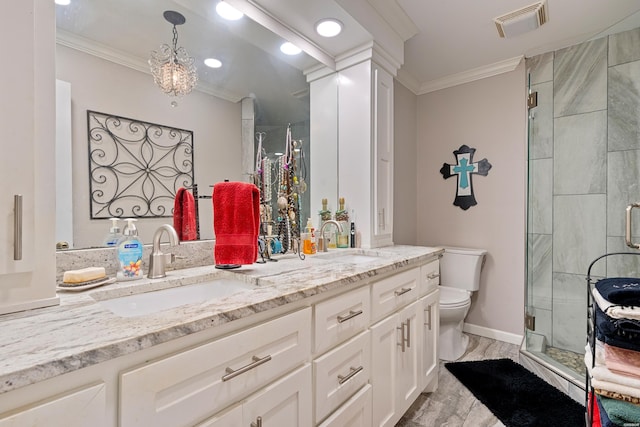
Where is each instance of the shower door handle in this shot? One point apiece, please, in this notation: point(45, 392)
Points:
point(627, 236)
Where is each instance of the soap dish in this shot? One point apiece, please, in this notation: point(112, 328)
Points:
point(88, 285)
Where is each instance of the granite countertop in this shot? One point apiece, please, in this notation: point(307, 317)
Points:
point(80, 332)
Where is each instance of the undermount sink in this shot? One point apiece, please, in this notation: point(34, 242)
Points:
point(164, 299)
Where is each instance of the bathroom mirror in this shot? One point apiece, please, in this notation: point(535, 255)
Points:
point(101, 63)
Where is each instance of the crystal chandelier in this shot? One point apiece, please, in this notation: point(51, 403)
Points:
point(171, 66)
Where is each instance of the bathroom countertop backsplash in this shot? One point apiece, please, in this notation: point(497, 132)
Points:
point(189, 254)
point(80, 332)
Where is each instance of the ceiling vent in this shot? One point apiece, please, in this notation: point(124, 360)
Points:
point(522, 20)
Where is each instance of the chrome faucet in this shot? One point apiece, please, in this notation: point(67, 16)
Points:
point(158, 260)
point(321, 245)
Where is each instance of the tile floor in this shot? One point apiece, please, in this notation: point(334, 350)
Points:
point(452, 405)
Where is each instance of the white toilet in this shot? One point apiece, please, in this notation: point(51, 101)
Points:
point(459, 276)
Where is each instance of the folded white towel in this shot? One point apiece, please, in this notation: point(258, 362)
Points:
point(614, 310)
point(603, 378)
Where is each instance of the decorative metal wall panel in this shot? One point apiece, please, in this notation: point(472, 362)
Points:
point(136, 167)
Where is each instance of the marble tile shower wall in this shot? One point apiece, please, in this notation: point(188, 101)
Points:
point(584, 169)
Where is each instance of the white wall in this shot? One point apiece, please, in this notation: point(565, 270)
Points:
point(107, 87)
point(488, 115)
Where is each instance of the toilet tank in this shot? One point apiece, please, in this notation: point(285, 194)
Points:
point(460, 267)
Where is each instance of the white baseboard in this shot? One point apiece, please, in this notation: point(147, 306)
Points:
point(495, 334)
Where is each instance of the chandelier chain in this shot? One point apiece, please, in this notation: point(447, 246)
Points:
point(172, 68)
point(175, 41)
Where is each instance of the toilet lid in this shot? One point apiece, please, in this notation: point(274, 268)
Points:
point(453, 296)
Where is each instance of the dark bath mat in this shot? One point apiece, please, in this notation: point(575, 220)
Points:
point(516, 396)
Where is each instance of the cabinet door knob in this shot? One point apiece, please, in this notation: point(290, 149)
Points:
point(231, 373)
point(351, 315)
point(432, 276)
point(258, 422)
point(352, 372)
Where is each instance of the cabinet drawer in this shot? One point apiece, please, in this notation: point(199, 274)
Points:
point(340, 318)
point(85, 407)
point(189, 386)
point(286, 402)
point(229, 418)
point(429, 277)
point(394, 292)
point(356, 412)
point(340, 373)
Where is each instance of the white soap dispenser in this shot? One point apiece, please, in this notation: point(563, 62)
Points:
point(130, 253)
point(111, 240)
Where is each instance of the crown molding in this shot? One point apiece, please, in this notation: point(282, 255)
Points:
point(396, 17)
point(271, 22)
point(368, 51)
point(474, 74)
point(408, 81)
point(107, 53)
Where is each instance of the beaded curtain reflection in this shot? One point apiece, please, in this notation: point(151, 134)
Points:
point(171, 66)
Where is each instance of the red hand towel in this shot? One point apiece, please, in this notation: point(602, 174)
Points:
point(184, 215)
point(236, 222)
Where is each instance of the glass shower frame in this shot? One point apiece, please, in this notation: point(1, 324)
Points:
point(587, 98)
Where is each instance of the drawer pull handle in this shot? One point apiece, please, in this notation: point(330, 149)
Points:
point(402, 291)
point(433, 276)
point(405, 337)
point(256, 362)
point(17, 227)
point(258, 422)
point(428, 324)
point(351, 315)
point(352, 372)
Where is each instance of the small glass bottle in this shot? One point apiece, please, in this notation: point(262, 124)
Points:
point(325, 215)
point(309, 239)
point(342, 216)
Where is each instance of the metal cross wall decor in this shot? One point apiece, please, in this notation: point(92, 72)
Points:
point(463, 170)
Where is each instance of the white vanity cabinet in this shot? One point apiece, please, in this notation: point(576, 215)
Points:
point(27, 126)
point(286, 402)
point(342, 352)
point(395, 362)
point(365, 108)
point(430, 325)
point(394, 292)
point(340, 318)
point(383, 155)
point(82, 407)
point(340, 373)
point(429, 332)
point(191, 385)
point(356, 412)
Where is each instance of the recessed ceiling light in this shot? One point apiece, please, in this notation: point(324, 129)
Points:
point(227, 11)
point(329, 27)
point(63, 2)
point(212, 62)
point(289, 49)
